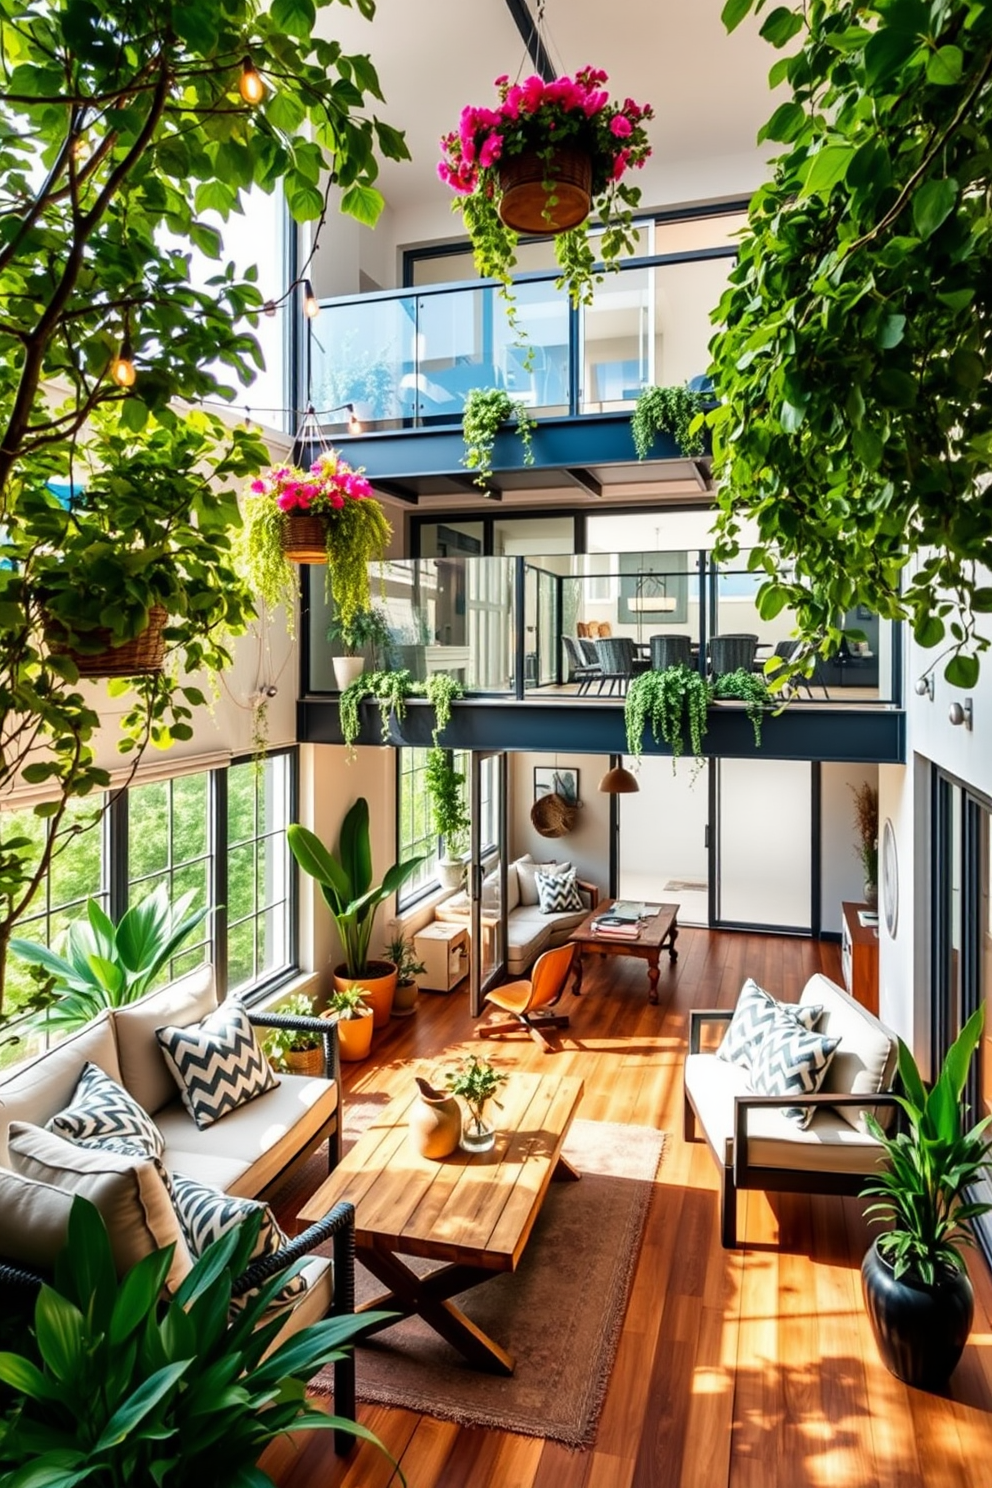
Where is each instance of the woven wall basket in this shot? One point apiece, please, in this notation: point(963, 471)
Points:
point(304, 538)
point(553, 816)
point(524, 201)
point(141, 657)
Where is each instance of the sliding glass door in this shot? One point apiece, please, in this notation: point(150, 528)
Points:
point(487, 874)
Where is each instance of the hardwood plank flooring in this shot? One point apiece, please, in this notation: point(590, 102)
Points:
point(746, 1369)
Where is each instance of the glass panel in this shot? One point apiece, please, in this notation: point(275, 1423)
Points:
point(240, 803)
point(449, 539)
point(536, 372)
point(241, 954)
point(492, 949)
point(617, 347)
point(698, 232)
point(446, 268)
point(272, 944)
point(416, 834)
point(763, 888)
point(364, 353)
point(191, 878)
point(679, 304)
point(533, 537)
point(190, 820)
point(77, 870)
point(148, 829)
point(671, 867)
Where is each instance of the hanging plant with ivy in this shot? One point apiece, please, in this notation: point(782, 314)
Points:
point(668, 410)
point(446, 789)
point(486, 409)
point(673, 701)
point(749, 688)
point(392, 690)
point(441, 691)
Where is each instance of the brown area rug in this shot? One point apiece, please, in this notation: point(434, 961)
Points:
point(559, 1314)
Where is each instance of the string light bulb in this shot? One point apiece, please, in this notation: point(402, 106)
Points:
point(250, 84)
point(123, 370)
point(311, 305)
point(354, 422)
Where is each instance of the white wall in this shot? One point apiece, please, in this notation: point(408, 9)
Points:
point(841, 875)
point(588, 845)
point(663, 827)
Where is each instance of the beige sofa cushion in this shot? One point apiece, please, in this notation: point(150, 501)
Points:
point(827, 1145)
point(865, 1062)
point(244, 1151)
point(129, 1192)
point(526, 869)
point(34, 1219)
point(143, 1068)
point(35, 1091)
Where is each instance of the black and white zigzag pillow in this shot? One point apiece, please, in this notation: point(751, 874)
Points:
point(206, 1214)
point(218, 1064)
point(102, 1110)
point(792, 1061)
point(557, 892)
point(756, 1013)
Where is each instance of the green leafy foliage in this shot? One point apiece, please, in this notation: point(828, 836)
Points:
point(486, 410)
point(478, 1083)
point(668, 410)
point(117, 1387)
point(278, 1042)
point(401, 952)
point(350, 1003)
point(345, 880)
point(106, 965)
point(366, 628)
point(853, 363)
point(674, 701)
point(449, 809)
point(923, 1190)
point(750, 689)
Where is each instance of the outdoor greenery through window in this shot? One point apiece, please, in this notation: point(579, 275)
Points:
point(259, 918)
point(415, 833)
point(169, 842)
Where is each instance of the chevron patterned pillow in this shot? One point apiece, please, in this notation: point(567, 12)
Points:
point(792, 1061)
point(754, 1015)
point(206, 1214)
point(557, 892)
point(218, 1064)
point(102, 1111)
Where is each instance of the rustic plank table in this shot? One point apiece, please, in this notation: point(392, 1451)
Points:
point(473, 1212)
point(656, 934)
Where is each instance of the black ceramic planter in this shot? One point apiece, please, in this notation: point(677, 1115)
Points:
point(921, 1331)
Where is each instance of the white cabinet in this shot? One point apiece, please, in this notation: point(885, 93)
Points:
point(443, 949)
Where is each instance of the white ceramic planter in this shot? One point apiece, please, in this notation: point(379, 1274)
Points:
point(346, 669)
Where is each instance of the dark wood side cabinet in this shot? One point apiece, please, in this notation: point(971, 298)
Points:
point(859, 956)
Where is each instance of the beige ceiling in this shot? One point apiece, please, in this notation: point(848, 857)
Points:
point(709, 90)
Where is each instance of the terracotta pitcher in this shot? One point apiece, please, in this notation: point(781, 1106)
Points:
point(435, 1122)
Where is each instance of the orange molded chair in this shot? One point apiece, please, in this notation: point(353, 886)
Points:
point(529, 1001)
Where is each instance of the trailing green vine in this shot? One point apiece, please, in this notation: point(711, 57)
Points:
point(486, 409)
point(446, 788)
point(749, 688)
point(673, 701)
point(441, 691)
point(392, 690)
point(668, 410)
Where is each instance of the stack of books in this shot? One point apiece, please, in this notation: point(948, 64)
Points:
point(613, 927)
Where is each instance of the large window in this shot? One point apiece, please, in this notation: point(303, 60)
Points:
point(170, 844)
point(259, 899)
point(414, 834)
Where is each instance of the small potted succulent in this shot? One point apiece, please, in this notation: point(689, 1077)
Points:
point(408, 968)
point(326, 514)
point(546, 157)
point(477, 1082)
point(353, 1015)
point(290, 1050)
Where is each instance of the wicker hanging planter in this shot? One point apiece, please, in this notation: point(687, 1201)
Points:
point(304, 537)
point(528, 206)
point(143, 656)
point(553, 816)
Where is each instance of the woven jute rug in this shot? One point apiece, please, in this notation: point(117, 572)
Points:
point(559, 1314)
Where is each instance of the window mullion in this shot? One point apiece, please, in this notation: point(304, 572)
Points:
point(218, 876)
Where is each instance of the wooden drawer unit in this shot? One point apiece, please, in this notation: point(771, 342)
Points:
point(444, 951)
point(859, 957)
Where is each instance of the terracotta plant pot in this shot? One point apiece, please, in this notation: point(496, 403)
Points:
point(308, 1062)
point(141, 657)
point(405, 999)
point(526, 204)
point(380, 984)
point(435, 1122)
point(304, 538)
point(355, 1037)
point(346, 669)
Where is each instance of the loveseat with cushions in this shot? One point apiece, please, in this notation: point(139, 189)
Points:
point(241, 1155)
point(757, 1144)
point(529, 931)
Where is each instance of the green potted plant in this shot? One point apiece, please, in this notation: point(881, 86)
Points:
point(674, 701)
point(446, 788)
point(366, 628)
point(107, 965)
point(668, 410)
point(916, 1285)
point(486, 410)
point(477, 1082)
point(866, 827)
point(292, 1051)
point(350, 1007)
point(113, 1387)
point(549, 155)
point(408, 968)
point(327, 514)
point(748, 688)
point(345, 881)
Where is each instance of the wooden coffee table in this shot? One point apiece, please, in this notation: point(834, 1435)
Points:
point(656, 934)
point(473, 1211)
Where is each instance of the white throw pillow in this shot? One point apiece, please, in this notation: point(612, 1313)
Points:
point(526, 871)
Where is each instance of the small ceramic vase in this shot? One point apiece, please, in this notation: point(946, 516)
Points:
point(435, 1122)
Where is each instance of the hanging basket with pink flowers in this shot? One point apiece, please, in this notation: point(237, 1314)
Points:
point(550, 158)
point(326, 514)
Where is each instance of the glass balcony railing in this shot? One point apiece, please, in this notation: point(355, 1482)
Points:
point(572, 625)
point(409, 358)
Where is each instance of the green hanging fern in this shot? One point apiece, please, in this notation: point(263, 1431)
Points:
point(441, 691)
point(446, 789)
point(486, 409)
point(357, 536)
point(671, 701)
point(750, 689)
point(667, 410)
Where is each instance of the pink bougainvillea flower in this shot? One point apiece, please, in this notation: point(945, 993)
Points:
point(259, 487)
point(532, 94)
point(285, 502)
point(620, 164)
point(620, 126)
point(492, 148)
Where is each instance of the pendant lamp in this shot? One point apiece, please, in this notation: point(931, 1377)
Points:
point(619, 782)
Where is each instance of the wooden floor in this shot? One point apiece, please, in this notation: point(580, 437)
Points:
point(752, 1369)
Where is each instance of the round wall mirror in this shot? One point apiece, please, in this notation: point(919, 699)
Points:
point(890, 878)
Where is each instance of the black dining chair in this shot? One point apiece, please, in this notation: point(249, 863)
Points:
point(580, 670)
point(619, 662)
point(669, 651)
point(732, 653)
